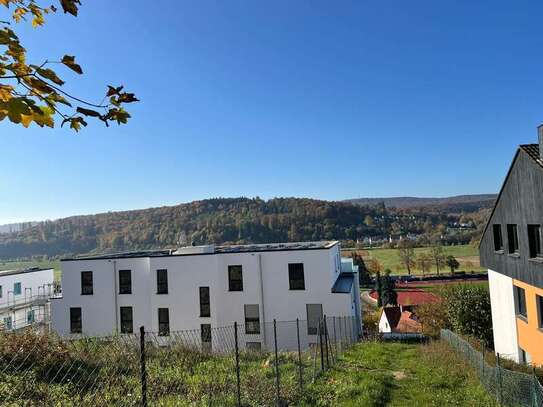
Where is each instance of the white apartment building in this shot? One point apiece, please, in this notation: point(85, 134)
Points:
point(204, 287)
point(24, 296)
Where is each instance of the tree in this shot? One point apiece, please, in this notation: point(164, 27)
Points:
point(364, 277)
point(374, 266)
point(368, 221)
point(388, 290)
point(436, 251)
point(468, 312)
point(463, 308)
point(424, 262)
point(32, 93)
point(385, 288)
point(406, 252)
point(452, 263)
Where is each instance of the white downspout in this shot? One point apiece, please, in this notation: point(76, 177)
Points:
point(262, 298)
point(115, 296)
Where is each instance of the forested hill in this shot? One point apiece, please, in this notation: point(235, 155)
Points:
point(466, 202)
point(221, 220)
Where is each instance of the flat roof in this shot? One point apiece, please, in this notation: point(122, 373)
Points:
point(22, 271)
point(248, 248)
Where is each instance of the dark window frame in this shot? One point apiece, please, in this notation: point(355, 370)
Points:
point(163, 321)
point(162, 281)
point(311, 328)
point(18, 291)
point(127, 325)
point(253, 346)
point(295, 283)
point(498, 237)
point(252, 324)
point(539, 304)
point(235, 284)
point(205, 334)
point(205, 305)
point(534, 241)
point(125, 287)
point(521, 308)
point(512, 239)
point(87, 284)
point(76, 321)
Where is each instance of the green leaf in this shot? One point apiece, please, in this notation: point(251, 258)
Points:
point(70, 6)
point(88, 112)
point(17, 107)
point(48, 74)
point(69, 61)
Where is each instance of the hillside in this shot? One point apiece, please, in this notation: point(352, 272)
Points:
point(469, 202)
point(222, 221)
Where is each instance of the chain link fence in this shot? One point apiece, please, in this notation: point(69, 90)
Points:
point(239, 365)
point(509, 387)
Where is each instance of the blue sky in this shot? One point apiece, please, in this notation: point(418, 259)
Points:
point(322, 99)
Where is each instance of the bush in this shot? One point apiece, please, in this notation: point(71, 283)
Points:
point(464, 309)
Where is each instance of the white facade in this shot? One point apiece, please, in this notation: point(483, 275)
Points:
point(23, 296)
point(384, 325)
point(502, 301)
point(265, 277)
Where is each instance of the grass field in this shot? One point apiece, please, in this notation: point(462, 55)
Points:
point(16, 265)
point(393, 374)
point(467, 256)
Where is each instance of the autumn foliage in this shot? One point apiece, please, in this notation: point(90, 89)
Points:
point(32, 92)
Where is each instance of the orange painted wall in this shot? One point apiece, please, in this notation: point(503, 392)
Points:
point(530, 337)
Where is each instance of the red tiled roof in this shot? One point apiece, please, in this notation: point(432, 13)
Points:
point(408, 323)
point(393, 315)
point(411, 297)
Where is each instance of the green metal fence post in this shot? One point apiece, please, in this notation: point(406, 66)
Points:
point(483, 362)
point(277, 380)
point(238, 383)
point(500, 380)
point(535, 388)
point(335, 336)
point(299, 356)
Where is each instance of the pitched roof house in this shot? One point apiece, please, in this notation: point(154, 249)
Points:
point(511, 248)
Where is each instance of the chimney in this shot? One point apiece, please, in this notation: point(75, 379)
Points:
point(540, 135)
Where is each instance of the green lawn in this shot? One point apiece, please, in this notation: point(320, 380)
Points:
point(394, 374)
point(15, 265)
point(467, 256)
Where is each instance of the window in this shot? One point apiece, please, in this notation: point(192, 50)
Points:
point(539, 303)
point(314, 318)
point(127, 323)
point(8, 323)
point(252, 319)
point(76, 325)
point(162, 281)
point(235, 278)
point(498, 239)
point(205, 309)
point(125, 282)
point(30, 317)
point(205, 334)
point(163, 321)
point(534, 239)
point(512, 237)
point(0, 291)
point(520, 301)
point(86, 283)
point(253, 346)
point(17, 289)
point(296, 276)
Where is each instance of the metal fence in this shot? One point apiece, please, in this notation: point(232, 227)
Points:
point(510, 388)
point(212, 367)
